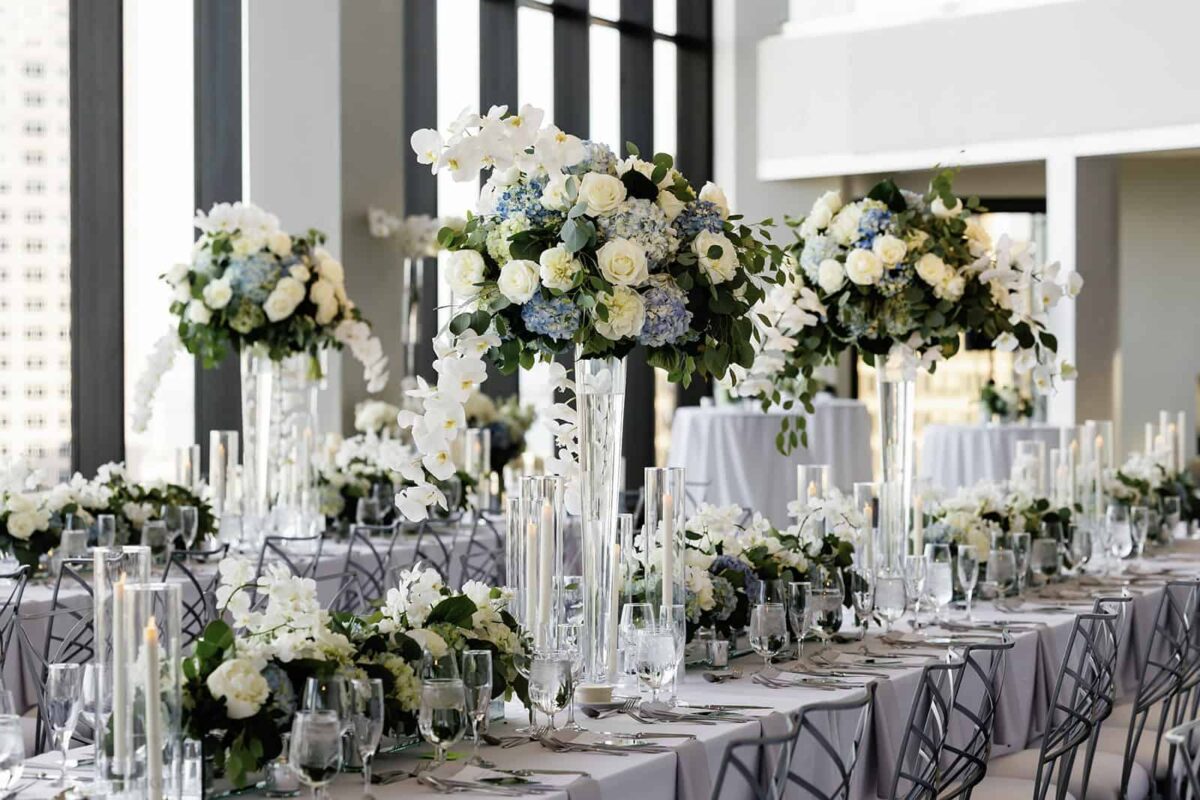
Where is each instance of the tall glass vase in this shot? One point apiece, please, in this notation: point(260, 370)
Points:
point(412, 278)
point(897, 394)
point(600, 404)
point(259, 375)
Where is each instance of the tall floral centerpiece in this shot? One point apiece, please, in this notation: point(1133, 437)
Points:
point(279, 301)
point(573, 250)
point(901, 277)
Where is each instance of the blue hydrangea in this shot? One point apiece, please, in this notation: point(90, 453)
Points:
point(873, 222)
point(895, 281)
point(254, 276)
point(858, 321)
point(817, 249)
point(724, 597)
point(556, 317)
point(730, 563)
point(896, 317)
point(525, 199)
point(914, 200)
point(643, 222)
point(598, 158)
point(667, 317)
point(696, 216)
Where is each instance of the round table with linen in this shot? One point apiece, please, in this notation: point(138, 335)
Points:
point(730, 453)
point(962, 455)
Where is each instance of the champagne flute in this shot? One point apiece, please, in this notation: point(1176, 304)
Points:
point(1120, 540)
point(315, 749)
point(189, 525)
point(1081, 545)
point(940, 577)
point(968, 573)
point(106, 530)
point(916, 569)
point(12, 752)
point(1022, 548)
point(368, 710)
point(768, 631)
point(891, 595)
point(800, 612)
point(1139, 529)
point(477, 688)
point(862, 593)
point(64, 691)
point(173, 520)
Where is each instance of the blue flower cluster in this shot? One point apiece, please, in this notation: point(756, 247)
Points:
point(696, 216)
point(895, 280)
point(599, 158)
point(526, 199)
point(556, 317)
point(873, 222)
point(730, 564)
point(817, 249)
point(643, 222)
point(724, 597)
point(254, 276)
point(667, 317)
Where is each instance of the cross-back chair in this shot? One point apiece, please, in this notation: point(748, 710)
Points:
point(918, 768)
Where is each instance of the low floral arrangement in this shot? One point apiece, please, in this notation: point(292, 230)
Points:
point(1145, 480)
point(973, 514)
point(415, 235)
point(377, 417)
point(244, 679)
point(1004, 402)
point(508, 421)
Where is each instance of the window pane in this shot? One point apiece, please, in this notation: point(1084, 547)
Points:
point(535, 60)
point(159, 203)
point(35, 234)
point(604, 65)
point(605, 9)
point(664, 16)
point(665, 118)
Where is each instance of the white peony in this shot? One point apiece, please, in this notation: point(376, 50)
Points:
point(623, 263)
point(280, 243)
point(932, 269)
point(831, 275)
point(890, 249)
point(718, 269)
point(283, 299)
point(518, 280)
point(429, 641)
point(300, 272)
point(844, 227)
point(466, 272)
point(939, 210)
point(715, 195)
point(602, 193)
point(558, 268)
point(863, 267)
point(626, 314)
point(324, 295)
point(218, 293)
point(241, 686)
point(555, 195)
point(198, 313)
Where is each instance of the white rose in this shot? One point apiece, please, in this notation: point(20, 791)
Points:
point(241, 686)
point(198, 313)
point(890, 249)
point(518, 280)
point(863, 267)
point(844, 227)
point(816, 221)
point(182, 293)
point(554, 196)
point(932, 269)
point(466, 272)
point(299, 272)
point(218, 293)
point(176, 274)
point(602, 193)
point(952, 289)
point(22, 525)
point(715, 195)
point(280, 243)
point(247, 244)
point(831, 275)
point(939, 210)
point(978, 239)
point(324, 294)
point(331, 269)
point(558, 268)
point(724, 266)
point(626, 314)
point(429, 640)
point(670, 205)
point(830, 201)
point(623, 263)
point(283, 299)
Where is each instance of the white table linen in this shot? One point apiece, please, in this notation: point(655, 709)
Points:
point(962, 455)
point(731, 450)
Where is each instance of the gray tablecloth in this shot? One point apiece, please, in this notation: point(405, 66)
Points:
point(962, 455)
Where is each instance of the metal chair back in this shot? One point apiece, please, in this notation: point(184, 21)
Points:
point(434, 546)
point(1119, 606)
point(966, 752)
point(11, 608)
point(348, 596)
point(301, 554)
point(69, 638)
point(814, 724)
point(918, 768)
point(368, 556)
point(745, 757)
point(483, 558)
point(1185, 740)
point(199, 604)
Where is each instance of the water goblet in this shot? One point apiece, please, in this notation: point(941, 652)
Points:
point(368, 710)
point(916, 570)
point(442, 717)
point(634, 617)
point(968, 573)
point(106, 530)
point(330, 694)
point(64, 692)
point(549, 678)
point(477, 688)
point(1022, 548)
point(800, 612)
point(1172, 512)
point(654, 655)
point(891, 595)
point(12, 753)
point(569, 638)
point(315, 749)
point(828, 594)
point(768, 631)
point(1045, 557)
point(939, 578)
point(1139, 529)
point(1001, 572)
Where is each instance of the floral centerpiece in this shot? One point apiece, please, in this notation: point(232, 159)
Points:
point(1146, 480)
point(973, 514)
point(1006, 403)
point(508, 421)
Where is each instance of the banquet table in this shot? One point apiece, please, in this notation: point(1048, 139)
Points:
point(730, 453)
point(962, 455)
point(688, 771)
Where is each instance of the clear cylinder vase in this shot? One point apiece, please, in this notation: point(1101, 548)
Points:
point(600, 405)
point(260, 378)
point(154, 649)
point(897, 395)
point(412, 278)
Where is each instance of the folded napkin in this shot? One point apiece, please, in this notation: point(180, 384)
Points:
point(773, 725)
point(693, 781)
point(577, 787)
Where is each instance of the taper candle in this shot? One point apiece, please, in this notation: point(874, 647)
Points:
point(154, 765)
point(546, 579)
point(614, 611)
point(1181, 445)
point(119, 661)
point(668, 554)
point(531, 561)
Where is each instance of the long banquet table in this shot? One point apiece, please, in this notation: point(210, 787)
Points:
point(688, 772)
point(963, 455)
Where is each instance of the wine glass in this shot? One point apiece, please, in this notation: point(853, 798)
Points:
point(570, 590)
point(1022, 548)
point(368, 511)
point(315, 749)
point(1001, 571)
point(862, 593)
point(96, 700)
point(916, 569)
point(1081, 545)
point(549, 677)
point(12, 752)
point(673, 618)
point(8, 705)
point(477, 689)
point(968, 573)
point(64, 690)
point(891, 595)
point(569, 638)
point(367, 710)
point(768, 631)
point(189, 525)
point(634, 617)
point(940, 577)
point(442, 718)
point(173, 519)
point(1045, 558)
point(330, 694)
point(800, 612)
point(106, 530)
point(1172, 512)
point(766, 590)
point(1120, 538)
point(156, 537)
point(654, 655)
point(1139, 529)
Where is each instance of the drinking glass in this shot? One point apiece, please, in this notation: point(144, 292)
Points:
point(8, 706)
point(828, 595)
point(64, 692)
point(96, 700)
point(106, 530)
point(1001, 571)
point(634, 617)
point(368, 511)
point(367, 708)
point(549, 677)
point(891, 595)
point(654, 655)
point(477, 694)
point(189, 525)
point(800, 612)
point(916, 570)
point(768, 631)
point(156, 537)
point(940, 577)
point(570, 590)
point(968, 572)
point(1172, 512)
point(442, 718)
point(1080, 545)
point(330, 694)
point(1022, 547)
point(12, 753)
point(862, 594)
point(569, 638)
point(1120, 537)
point(1139, 528)
point(173, 520)
point(673, 618)
point(1045, 558)
point(315, 749)
point(760, 591)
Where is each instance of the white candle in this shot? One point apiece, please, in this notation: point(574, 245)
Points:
point(154, 766)
point(1172, 438)
point(614, 611)
point(1157, 452)
point(1148, 446)
point(546, 582)
point(1181, 447)
point(1164, 419)
point(869, 544)
point(119, 660)
point(918, 526)
point(1099, 455)
point(812, 493)
point(531, 578)
point(668, 554)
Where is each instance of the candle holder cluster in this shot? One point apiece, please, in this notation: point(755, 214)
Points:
point(535, 523)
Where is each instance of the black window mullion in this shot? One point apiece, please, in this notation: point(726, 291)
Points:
point(97, 234)
point(571, 87)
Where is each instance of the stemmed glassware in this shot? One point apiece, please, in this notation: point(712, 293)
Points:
point(442, 717)
point(189, 525)
point(673, 618)
point(891, 595)
point(64, 692)
point(12, 752)
point(549, 676)
point(635, 617)
point(1139, 528)
point(315, 749)
point(1117, 528)
point(569, 642)
point(654, 658)
point(1172, 512)
point(477, 688)
point(800, 612)
point(1022, 548)
point(1080, 545)
point(1044, 558)
point(368, 511)
point(330, 694)
point(939, 579)
point(768, 631)
point(828, 593)
point(916, 570)
point(968, 573)
point(1001, 571)
point(570, 590)
point(367, 709)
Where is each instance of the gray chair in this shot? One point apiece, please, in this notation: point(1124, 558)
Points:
point(1119, 607)
point(918, 769)
point(11, 607)
point(301, 554)
point(434, 546)
point(483, 557)
point(69, 638)
point(199, 604)
point(368, 556)
point(763, 762)
point(1185, 739)
point(813, 724)
point(965, 756)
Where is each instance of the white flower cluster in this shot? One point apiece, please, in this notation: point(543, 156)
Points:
point(376, 416)
point(473, 142)
point(162, 357)
point(416, 234)
point(961, 514)
point(366, 349)
point(721, 531)
point(780, 318)
point(833, 512)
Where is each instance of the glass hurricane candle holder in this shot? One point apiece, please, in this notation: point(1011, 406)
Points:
point(813, 480)
point(187, 466)
point(154, 703)
point(222, 464)
point(664, 534)
point(543, 517)
point(477, 462)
